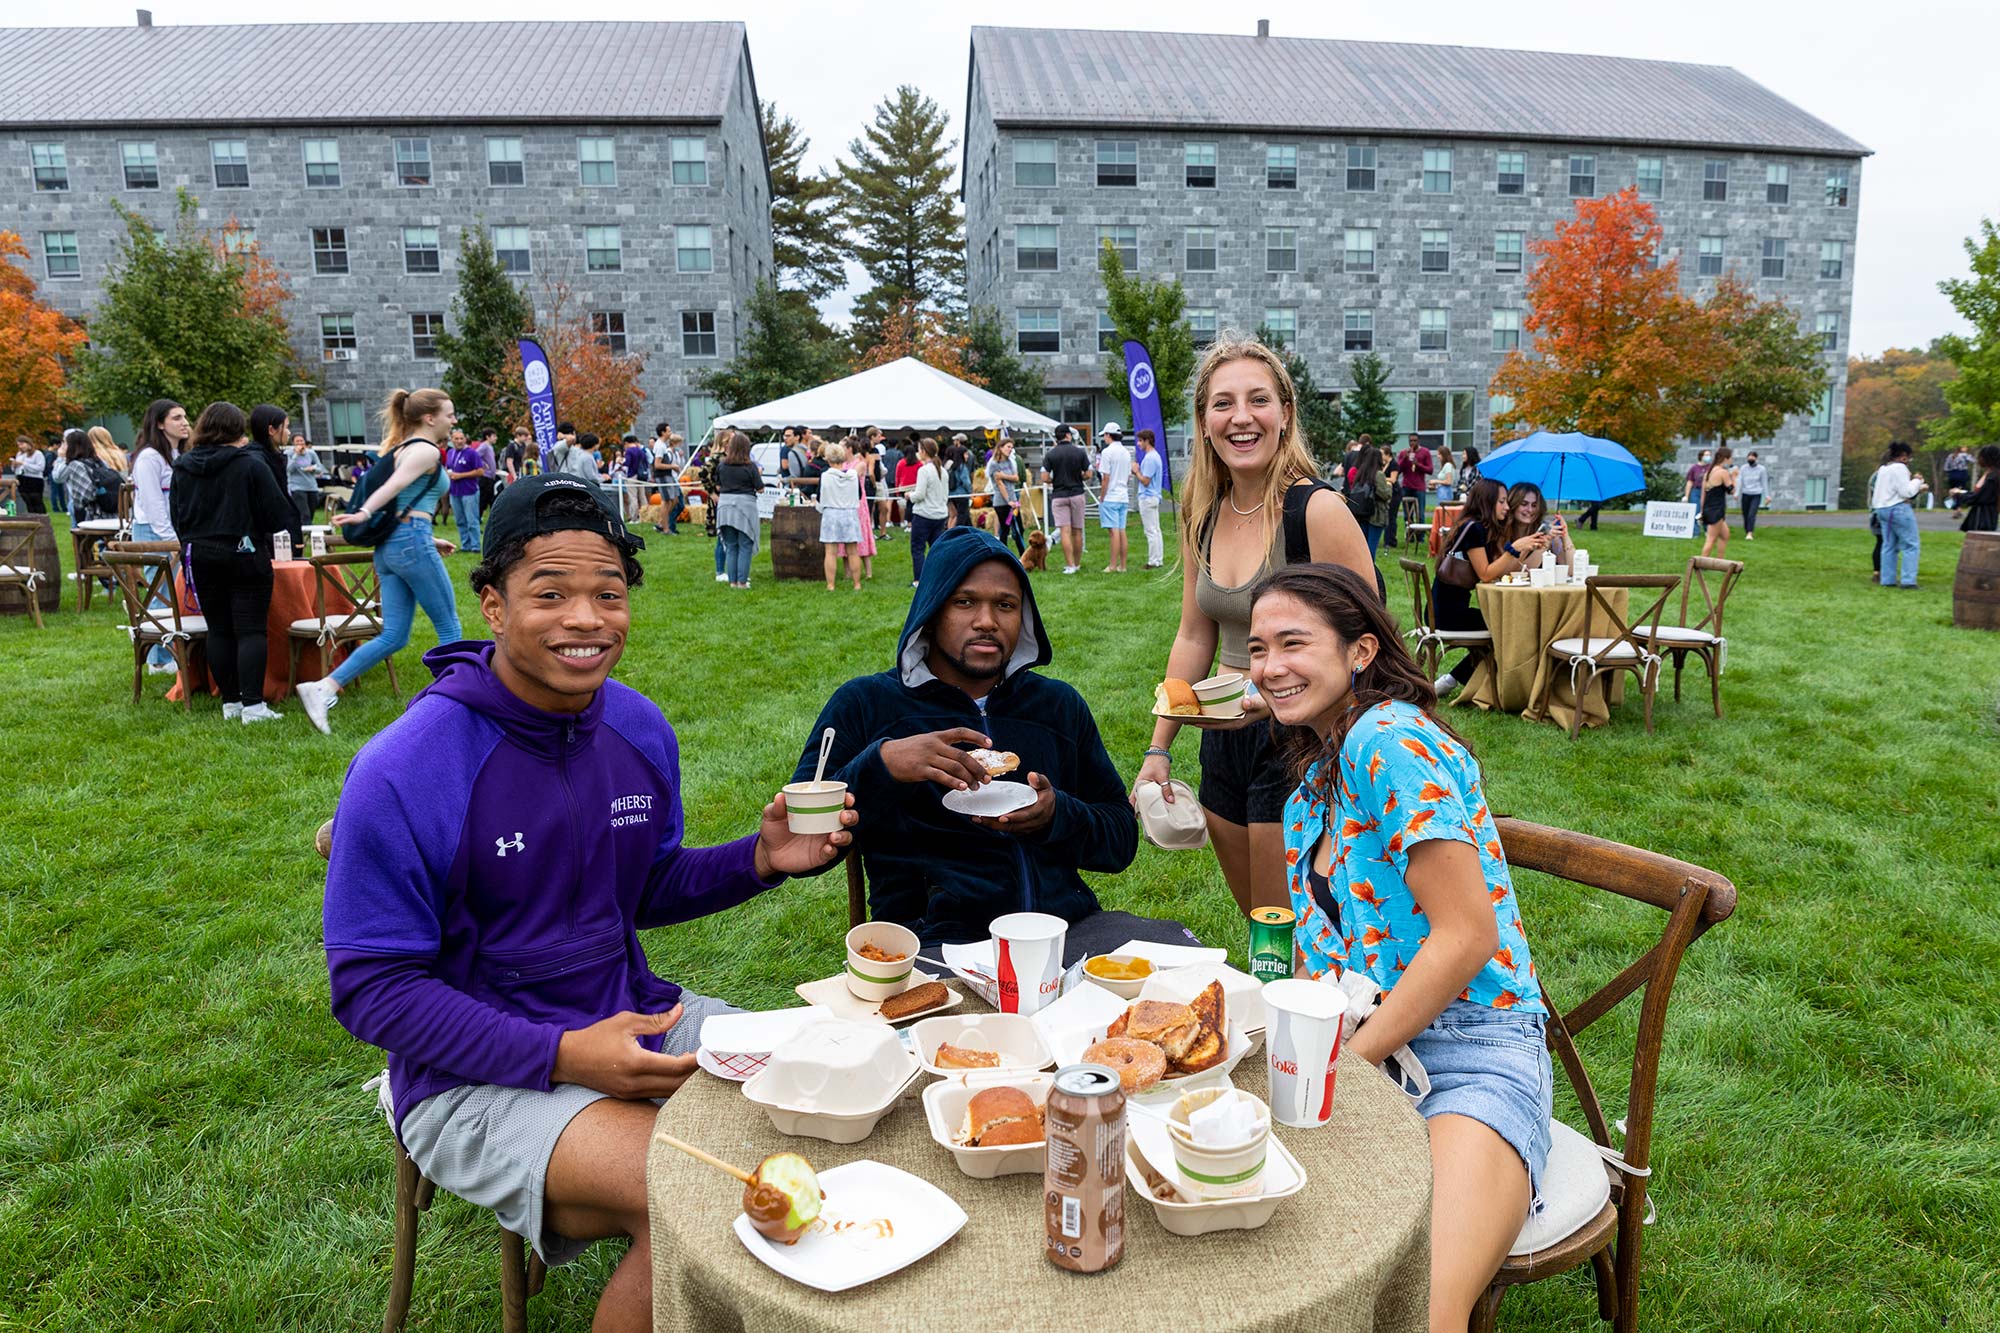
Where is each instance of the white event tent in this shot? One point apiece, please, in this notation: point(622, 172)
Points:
point(905, 393)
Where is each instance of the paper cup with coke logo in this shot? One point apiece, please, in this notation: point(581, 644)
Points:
point(1303, 1039)
point(1028, 949)
point(814, 807)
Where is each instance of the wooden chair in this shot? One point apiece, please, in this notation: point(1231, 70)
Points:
point(350, 574)
point(145, 574)
point(17, 562)
point(1704, 637)
point(1569, 1233)
point(1429, 643)
point(87, 540)
point(1628, 647)
point(522, 1271)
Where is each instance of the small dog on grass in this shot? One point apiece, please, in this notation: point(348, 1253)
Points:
point(1037, 558)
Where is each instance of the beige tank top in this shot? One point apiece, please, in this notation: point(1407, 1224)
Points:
point(1229, 608)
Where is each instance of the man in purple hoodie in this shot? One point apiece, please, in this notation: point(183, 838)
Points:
point(484, 932)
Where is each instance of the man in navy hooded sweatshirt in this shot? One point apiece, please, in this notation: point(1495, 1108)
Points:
point(494, 852)
point(964, 678)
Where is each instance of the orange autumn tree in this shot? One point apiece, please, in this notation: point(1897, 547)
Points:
point(36, 343)
point(597, 389)
point(924, 334)
point(1616, 342)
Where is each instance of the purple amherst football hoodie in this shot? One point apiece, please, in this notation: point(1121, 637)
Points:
point(491, 865)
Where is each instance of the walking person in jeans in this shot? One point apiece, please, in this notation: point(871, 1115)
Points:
point(1894, 488)
point(928, 506)
point(738, 483)
point(226, 505)
point(415, 426)
point(1751, 479)
point(465, 467)
point(1003, 473)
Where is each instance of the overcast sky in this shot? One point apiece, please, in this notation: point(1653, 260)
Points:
point(1908, 79)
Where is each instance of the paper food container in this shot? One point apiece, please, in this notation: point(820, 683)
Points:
point(833, 1080)
point(944, 1108)
point(1242, 994)
point(1124, 988)
point(1016, 1039)
point(1147, 1140)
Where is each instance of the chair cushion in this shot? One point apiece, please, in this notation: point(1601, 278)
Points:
point(1677, 635)
point(15, 571)
point(310, 628)
point(95, 525)
point(1604, 650)
point(1465, 635)
point(1575, 1188)
point(189, 625)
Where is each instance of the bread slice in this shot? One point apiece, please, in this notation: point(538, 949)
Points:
point(958, 1057)
point(1210, 1043)
point(916, 998)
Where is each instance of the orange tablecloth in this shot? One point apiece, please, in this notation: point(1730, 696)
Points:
point(1443, 519)
point(291, 599)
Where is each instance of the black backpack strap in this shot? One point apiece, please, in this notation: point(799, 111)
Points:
point(1298, 543)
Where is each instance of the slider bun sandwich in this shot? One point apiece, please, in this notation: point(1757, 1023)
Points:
point(1001, 1117)
point(1176, 698)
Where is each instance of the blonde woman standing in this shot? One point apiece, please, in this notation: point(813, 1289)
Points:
point(841, 515)
point(1252, 503)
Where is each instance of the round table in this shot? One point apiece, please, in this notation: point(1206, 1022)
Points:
point(1520, 676)
point(292, 598)
point(1349, 1252)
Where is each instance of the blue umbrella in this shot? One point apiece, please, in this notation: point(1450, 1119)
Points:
point(1567, 466)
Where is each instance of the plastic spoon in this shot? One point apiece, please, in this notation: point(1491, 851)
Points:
point(825, 749)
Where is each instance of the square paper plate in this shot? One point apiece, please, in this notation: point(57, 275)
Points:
point(831, 994)
point(875, 1221)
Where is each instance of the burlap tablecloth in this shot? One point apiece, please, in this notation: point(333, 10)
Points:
point(1349, 1252)
point(1520, 676)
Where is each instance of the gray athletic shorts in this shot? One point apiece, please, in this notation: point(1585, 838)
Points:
point(491, 1145)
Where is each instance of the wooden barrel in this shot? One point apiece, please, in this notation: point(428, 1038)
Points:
point(14, 601)
point(1975, 593)
point(796, 552)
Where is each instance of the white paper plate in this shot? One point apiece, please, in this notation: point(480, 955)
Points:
point(875, 1221)
point(991, 800)
point(831, 994)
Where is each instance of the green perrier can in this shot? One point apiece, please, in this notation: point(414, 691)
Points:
point(1271, 943)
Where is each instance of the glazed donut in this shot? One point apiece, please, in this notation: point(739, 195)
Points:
point(1140, 1064)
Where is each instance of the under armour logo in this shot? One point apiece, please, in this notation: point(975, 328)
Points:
point(500, 845)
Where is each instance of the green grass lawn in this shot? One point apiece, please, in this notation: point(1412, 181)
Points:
point(184, 1143)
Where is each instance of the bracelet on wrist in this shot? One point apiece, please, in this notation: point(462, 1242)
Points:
point(1152, 750)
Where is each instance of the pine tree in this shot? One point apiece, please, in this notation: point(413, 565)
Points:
point(490, 313)
point(805, 231)
point(902, 212)
point(990, 355)
point(785, 348)
point(1366, 409)
point(1150, 312)
point(1319, 417)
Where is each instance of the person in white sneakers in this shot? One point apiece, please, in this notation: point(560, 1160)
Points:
point(1151, 469)
point(1114, 476)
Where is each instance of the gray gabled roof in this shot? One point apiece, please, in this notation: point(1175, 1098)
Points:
point(1045, 76)
point(368, 73)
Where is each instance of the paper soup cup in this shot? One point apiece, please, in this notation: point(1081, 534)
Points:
point(814, 807)
point(1235, 1172)
point(872, 981)
point(1221, 696)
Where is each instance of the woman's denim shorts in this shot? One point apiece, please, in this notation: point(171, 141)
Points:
point(1492, 1065)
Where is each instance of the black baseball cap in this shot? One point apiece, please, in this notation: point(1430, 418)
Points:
point(521, 512)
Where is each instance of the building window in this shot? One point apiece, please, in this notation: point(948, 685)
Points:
point(597, 161)
point(424, 331)
point(1433, 330)
point(703, 409)
point(1836, 187)
point(690, 161)
point(1714, 179)
point(51, 162)
point(1125, 240)
point(59, 254)
point(698, 333)
point(142, 166)
point(1506, 330)
point(1357, 331)
point(1651, 178)
point(349, 421)
point(608, 327)
point(1202, 324)
point(1281, 250)
point(1828, 328)
point(1200, 160)
point(1038, 329)
point(1035, 163)
point(420, 250)
point(1035, 248)
point(1282, 324)
point(1360, 250)
point(1107, 331)
point(1832, 259)
point(1435, 252)
point(504, 164)
point(1437, 171)
point(1708, 263)
point(1820, 430)
point(1498, 405)
point(1507, 251)
point(1512, 173)
point(329, 250)
point(1361, 167)
point(336, 337)
point(1774, 257)
point(1582, 176)
point(1201, 249)
point(1117, 162)
point(1777, 184)
point(1815, 492)
point(510, 247)
point(237, 238)
point(603, 250)
point(322, 163)
point(413, 162)
point(1281, 167)
point(231, 160)
point(694, 249)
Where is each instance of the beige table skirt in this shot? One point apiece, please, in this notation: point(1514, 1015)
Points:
point(1520, 676)
point(1349, 1252)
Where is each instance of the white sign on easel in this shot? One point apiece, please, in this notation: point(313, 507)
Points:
point(1666, 519)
